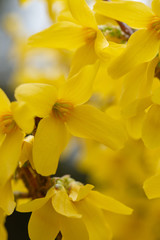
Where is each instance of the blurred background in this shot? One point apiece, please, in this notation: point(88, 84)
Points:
point(119, 173)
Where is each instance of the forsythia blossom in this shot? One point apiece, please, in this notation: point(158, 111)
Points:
point(63, 111)
point(70, 106)
point(74, 210)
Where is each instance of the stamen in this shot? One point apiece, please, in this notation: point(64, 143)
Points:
point(90, 35)
point(155, 26)
point(62, 110)
point(7, 123)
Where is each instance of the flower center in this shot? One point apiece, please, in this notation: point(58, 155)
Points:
point(90, 35)
point(114, 33)
point(155, 26)
point(7, 124)
point(62, 110)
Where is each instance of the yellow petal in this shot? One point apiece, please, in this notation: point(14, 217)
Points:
point(142, 46)
point(2, 137)
point(84, 191)
point(151, 187)
point(63, 205)
point(103, 84)
point(33, 205)
point(65, 35)
point(26, 151)
point(85, 55)
point(94, 220)
point(23, 116)
point(4, 102)
point(7, 199)
point(79, 192)
point(135, 14)
point(73, 229)
point(50, 139)
point(138, 83)
point(136, 107)
point(134, 125)
point(44, 223)
point(100, 45)
point(156, 7)
point(39, 97)
point(151, 127)
point(82, 13)
point(156, 96)
point(108, 203)
point(88, 122)
point(10, 151)
point(78, 89)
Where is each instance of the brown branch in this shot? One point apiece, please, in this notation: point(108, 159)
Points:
point(125, 28)
point(36, 184)
point(21, 195)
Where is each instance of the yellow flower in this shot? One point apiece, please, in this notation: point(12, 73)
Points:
point(79, 31)
point(11, 135)
point(64, 110)
point(74, 210)
point(144, 44)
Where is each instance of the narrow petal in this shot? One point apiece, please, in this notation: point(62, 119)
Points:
point(35, 204)
point(39, 97)
point(151, 127)
point(63, 205)
point(32, 205)
point(82, 13)
point(10, 151)
point(135, 14)
point(78, 89)
point(108, 203)
point(73, 229)
point(156, 7)
point(7, 199)
point(142, 47)
point(134, 125)
point(26, 151)
point(151, 187)
point(101, 44)
point(4, 102)
point(94, 220)
point(85, 55)
point(88, 122)
point(65, 35)
point(50, 139)
point(80, 192)
point(23, 116)
point(84, 191)
point(44, 223)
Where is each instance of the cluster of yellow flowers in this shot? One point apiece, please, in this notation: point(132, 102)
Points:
point(99, 82)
